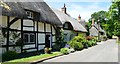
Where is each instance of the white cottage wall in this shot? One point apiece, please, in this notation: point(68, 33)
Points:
point(48, 28)
point(3, 21)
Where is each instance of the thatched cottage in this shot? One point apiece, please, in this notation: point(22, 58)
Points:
point(70, 26)
point(27, 26)
point(94, 29)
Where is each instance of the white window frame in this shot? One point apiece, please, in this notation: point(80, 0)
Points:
point(29, 37)
point(29, 14)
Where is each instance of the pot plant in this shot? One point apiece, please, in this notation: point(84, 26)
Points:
point(48, 50)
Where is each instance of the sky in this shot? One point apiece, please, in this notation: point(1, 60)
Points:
point(84, 8)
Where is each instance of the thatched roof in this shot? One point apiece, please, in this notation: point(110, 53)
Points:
point(12, 9)
point(46, 14)
point(82, 22)
point(93, 31)
point(65, 18)
point(17, 9)
point(96, 26)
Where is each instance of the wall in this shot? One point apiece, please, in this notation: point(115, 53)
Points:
point(17, 26)
point(69, 34)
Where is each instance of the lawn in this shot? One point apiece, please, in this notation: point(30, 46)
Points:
point(32, 59)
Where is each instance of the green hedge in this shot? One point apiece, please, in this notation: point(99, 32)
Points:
point(10, 55)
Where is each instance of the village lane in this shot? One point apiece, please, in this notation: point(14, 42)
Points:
point(103, 52)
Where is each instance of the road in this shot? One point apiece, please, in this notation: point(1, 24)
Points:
point(104, 52)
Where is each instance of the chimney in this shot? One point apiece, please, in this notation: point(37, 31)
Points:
point(79, 17)
point(64, 9)
point(93, 21)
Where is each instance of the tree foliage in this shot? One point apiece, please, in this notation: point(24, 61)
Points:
point(110, 20)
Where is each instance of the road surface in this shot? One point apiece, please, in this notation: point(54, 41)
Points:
point(104, 52)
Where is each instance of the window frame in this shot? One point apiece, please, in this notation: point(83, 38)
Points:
point(29, 14)
point(29, 38)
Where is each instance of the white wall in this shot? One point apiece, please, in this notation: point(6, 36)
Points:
point(48, 28)
point(41, 38)
point(40, 47)
point(28, 23)
point(3, 21)
point(29, 46)
point(69, 36)
point(16, 25)
point(53, 30)
point(40, 27)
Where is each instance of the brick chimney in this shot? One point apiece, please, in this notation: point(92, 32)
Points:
point(93, 21)
point(79, 17)
point(64, 9)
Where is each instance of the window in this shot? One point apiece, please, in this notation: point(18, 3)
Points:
point(29, 14)
point(66, 25)
point(29, 38)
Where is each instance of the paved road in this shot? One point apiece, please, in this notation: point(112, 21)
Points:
point(104, 52)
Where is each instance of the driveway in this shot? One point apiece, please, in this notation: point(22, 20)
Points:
point(103, 52)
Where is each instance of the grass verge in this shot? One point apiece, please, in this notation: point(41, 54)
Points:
point(32, 59)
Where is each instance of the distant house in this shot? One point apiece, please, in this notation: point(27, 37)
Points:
point(27, 26)
point(94, 29)
point(70, 26)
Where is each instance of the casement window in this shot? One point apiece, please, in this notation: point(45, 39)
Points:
point(29, 38)
point(66, 25)
point(29, 14)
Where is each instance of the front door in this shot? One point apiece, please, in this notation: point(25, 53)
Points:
point(48, 40)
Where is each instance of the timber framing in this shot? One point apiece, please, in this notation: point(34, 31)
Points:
point(20, 15)
point(14, 20)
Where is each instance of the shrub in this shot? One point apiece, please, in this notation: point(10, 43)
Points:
point(9, 55)
point(64, 50)
point(89, 43)
point(85, 43)
point(78, 46)
point(93, 42)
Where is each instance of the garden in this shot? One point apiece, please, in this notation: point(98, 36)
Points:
point(78, 43)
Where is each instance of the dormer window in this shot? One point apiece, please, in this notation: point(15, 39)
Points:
point(66, 25)
point(29, 14)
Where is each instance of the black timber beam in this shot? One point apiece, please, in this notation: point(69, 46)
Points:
point(11, 22)
point(7, 48)
point(21, 34)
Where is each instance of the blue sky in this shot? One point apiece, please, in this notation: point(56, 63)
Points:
point(85, 9)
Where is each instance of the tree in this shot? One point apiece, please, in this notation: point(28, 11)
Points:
point(114, 15)
point(110, 20)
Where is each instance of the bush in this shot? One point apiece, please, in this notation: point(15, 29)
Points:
point(85, 43)
point(9, 55)
point(78, 46)
point(89, 43)
point(93, 42)
point(64, 50)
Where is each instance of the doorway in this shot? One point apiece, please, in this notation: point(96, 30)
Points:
point(48, 40)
